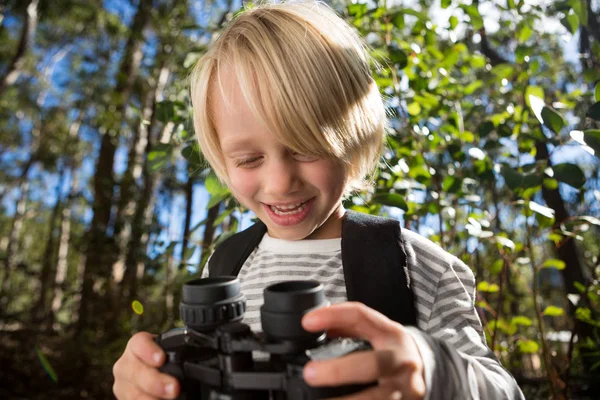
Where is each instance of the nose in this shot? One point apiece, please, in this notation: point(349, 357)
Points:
point(282, 177)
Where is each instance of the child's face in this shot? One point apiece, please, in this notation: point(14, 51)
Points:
point(296, 196)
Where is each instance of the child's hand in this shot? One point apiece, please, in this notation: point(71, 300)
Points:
point(394, 362)
point(136, 372)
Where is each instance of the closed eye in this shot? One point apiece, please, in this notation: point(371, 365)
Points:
point(304, 157)
point(250, 162)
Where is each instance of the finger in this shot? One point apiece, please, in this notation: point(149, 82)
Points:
point(351, 319)
point(143, 346)
point(375, 393)
point(124, 391)
point(360, 367)
point(151, 381)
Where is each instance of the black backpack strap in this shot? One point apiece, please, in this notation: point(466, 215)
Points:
point(229, 256)
point(375, 269)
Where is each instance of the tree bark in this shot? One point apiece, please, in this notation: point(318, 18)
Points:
point(12, 244)
point(189, 200)
point(26, 40)
point(39, 311)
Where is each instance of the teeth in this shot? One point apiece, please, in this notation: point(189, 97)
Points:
point(288, 209)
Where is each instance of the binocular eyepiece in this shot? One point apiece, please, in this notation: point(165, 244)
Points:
point(211, 302)
point(212, 355)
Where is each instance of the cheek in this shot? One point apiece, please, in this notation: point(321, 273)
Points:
point(243, 184)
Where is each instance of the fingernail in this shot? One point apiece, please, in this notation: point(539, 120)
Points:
point(157, 357)
point(308, 320)
point(170, 389)
point(310, 373)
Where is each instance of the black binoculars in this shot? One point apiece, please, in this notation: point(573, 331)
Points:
point(212, 356)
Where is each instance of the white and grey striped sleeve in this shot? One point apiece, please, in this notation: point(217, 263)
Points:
point(451, 337)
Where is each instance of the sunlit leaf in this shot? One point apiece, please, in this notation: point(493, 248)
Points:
point(487, 287)
point(453, 22)
point(528, 346)
point(542, 210)
point(553, 311)
point(597, 92)
point(414, 109)
point(505, 242)
point(521, 320)
point(554, 263)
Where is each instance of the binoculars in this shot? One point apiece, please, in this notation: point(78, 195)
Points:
point(212, 356)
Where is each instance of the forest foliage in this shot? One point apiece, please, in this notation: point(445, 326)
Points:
point(107, 207)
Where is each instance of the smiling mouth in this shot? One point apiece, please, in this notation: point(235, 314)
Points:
point(289, 209)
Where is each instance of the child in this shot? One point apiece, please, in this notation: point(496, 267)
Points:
point(289, 117)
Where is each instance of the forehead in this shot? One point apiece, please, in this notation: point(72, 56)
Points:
point(232, 116)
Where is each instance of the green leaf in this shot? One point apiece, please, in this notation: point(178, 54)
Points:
point(453, 22)
point(223, 237)
point(213, 186)
point(553, 311)
point(554, 263)
point(159, 156)
point(446, 3)
point(487, 287)
point(570, 174)
point(571, 22)
point(192, 154)
point(398, 57)
point(552, 119)
point(524, 33)
point(597, 92)
point(165, 111)
point(521, 320)
point(391, 199)
point(473, 12)
point(594, 111)
point(414, 109)
point(528, 346)
point(191, 58)
point(503, 71)
point(398, 20)
point(535, 91)
point(473, 86)
point(47, 367)
point(580, 9)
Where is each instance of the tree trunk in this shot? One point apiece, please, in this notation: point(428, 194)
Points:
point(142, 217)
point(39, 311)
point(100, 248)
point(16, 63)
point(189, 201)
point(62, 263)
point(12, 244)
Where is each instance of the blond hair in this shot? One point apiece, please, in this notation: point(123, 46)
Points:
point(305, 75)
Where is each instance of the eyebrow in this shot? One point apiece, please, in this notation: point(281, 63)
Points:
point(236, 144)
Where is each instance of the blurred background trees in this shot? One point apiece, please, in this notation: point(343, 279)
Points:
point(106, 205)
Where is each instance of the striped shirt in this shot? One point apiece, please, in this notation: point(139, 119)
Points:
point(444, 293)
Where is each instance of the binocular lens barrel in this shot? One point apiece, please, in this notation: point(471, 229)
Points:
point(285, 305)
point(210, 302)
